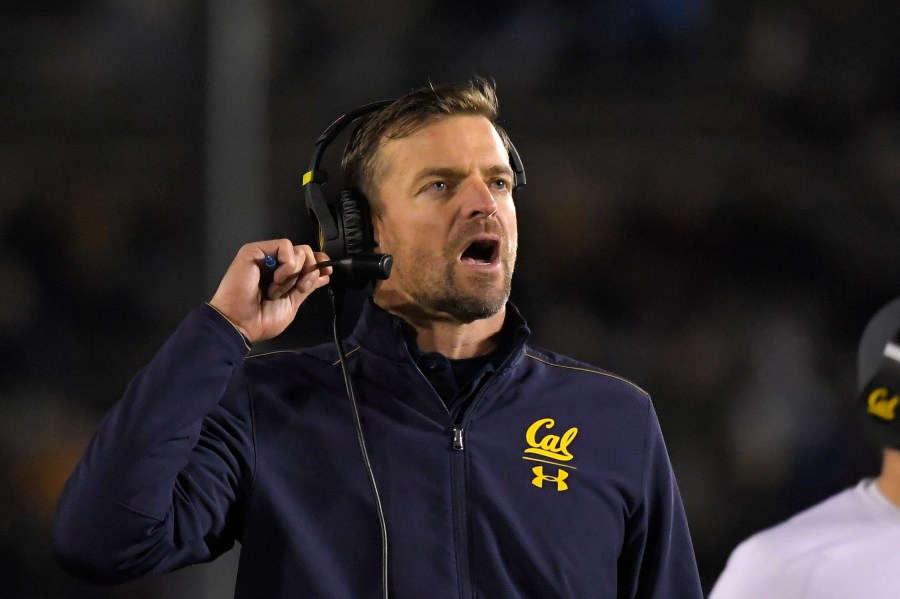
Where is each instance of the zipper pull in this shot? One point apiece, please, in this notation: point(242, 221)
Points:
point(458, 439)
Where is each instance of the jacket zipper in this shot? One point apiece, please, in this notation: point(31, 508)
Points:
point(460, 504)
point(458, 439)
point(458, 494)
point(460, 514)
point(458, 483)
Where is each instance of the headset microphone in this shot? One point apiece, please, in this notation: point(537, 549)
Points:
point(361, 266)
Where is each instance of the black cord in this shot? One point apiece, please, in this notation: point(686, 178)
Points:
point(336, 308)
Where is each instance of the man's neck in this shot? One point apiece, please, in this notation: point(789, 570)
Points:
point(444, 335)
point(889, 480)
point(457, 341)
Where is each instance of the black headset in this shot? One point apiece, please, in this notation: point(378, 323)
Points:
point(343, 221)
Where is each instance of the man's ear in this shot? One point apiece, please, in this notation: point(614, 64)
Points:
point(377, 228)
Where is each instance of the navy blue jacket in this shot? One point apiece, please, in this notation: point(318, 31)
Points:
point(562, 486)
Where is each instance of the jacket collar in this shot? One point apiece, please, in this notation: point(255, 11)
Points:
point(381, 332)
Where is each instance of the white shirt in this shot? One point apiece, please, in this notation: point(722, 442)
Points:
point(847, 547)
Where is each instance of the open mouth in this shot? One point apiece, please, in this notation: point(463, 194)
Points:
point(482, 251)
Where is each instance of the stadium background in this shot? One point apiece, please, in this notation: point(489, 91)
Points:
point(712, 211)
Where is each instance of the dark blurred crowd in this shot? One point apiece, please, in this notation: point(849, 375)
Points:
point(712, 210)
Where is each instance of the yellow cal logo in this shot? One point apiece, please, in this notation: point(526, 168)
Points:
point(882, 404)
point(549, 446)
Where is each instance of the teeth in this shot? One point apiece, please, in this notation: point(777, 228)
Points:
point(480, 252)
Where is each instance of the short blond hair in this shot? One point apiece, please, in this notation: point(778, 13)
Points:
point(408, 114)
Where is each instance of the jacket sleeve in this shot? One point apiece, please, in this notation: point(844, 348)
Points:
point(658, 557)
point(156, 487)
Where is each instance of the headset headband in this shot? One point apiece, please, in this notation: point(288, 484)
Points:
point(316, 204)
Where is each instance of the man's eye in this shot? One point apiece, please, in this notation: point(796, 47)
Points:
point(501, 184)
point(439, 186)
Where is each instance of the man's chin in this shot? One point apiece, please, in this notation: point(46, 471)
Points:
point(468, 308)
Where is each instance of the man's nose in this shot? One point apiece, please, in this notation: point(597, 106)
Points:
point(478, 199)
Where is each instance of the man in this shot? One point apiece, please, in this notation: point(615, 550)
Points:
point(503, 470)
point(848, 545)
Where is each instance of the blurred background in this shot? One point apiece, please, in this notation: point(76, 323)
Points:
point(712, 210)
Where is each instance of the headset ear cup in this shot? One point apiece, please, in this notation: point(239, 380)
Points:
point(357, 223)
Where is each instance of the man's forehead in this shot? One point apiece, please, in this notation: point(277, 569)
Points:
point(452, 136)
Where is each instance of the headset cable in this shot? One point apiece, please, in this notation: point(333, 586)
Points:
point(336, 308)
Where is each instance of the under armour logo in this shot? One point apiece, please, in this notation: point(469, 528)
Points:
point(559, 479)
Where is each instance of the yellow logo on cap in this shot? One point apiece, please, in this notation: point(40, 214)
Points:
point(882, 404)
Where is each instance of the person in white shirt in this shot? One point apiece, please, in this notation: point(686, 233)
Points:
point(848, 546)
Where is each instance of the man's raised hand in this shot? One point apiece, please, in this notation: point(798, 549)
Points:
point(261, 303)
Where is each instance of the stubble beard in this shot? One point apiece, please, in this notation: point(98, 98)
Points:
point(479, 297)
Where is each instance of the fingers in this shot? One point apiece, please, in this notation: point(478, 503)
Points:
point(261, 296)
point(296, 270)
